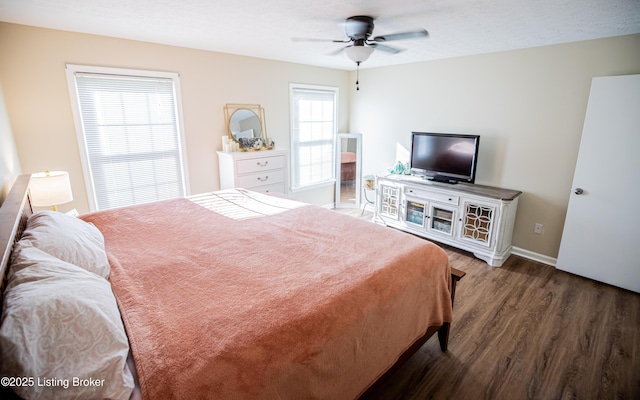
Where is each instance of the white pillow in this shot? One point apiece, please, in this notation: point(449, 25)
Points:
point(61, 322)
point(69, 239)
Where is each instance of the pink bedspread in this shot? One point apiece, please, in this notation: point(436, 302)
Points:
point(297, 304)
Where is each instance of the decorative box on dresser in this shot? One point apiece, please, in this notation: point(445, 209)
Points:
point(263, 171)
point(475, 218)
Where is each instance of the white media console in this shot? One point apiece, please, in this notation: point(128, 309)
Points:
point(475, 218)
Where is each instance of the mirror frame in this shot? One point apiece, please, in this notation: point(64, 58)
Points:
point(230, 109)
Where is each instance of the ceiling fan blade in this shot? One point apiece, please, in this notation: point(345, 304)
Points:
point(336, 52)
point(385, 48)
point(302, 39)
point(401, 36)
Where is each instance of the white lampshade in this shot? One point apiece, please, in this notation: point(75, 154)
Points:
point(358, 54)
point(50, 188)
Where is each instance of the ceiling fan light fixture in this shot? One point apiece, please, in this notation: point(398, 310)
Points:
point(358, 54)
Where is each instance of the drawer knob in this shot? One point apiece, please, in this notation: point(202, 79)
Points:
point(262, 164)
point(261, 179)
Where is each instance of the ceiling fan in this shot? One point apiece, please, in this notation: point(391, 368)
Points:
point(359, 30)
point(361, 45)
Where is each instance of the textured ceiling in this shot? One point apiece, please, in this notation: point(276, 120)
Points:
point(264, 28)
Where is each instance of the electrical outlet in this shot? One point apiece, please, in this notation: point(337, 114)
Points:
point(537, 229)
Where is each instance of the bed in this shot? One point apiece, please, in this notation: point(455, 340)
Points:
point(234, 295)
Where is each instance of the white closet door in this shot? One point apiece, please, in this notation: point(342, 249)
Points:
point(601, 237)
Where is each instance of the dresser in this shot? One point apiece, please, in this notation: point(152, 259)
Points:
point(264, 171)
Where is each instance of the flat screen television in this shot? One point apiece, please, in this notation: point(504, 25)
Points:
point(444, 157)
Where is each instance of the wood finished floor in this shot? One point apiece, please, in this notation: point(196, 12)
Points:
point(527, 331)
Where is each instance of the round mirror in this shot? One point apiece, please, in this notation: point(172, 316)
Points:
point(245, 123)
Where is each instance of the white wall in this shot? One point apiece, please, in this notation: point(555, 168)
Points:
point(9, 163)
point(527, 105)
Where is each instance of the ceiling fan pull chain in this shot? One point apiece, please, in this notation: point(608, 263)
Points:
point(358, 75)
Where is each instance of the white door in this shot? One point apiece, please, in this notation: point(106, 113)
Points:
point(601, 237)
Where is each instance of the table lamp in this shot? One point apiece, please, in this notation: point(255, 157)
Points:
point(50, 188)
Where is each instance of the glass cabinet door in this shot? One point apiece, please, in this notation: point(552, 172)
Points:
point(441, 219)
point(415, 213)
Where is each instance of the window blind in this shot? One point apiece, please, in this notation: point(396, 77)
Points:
point(132, 138)
point(313, 135)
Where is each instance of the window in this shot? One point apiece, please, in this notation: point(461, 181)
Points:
point(130, 134)
point(313, 133)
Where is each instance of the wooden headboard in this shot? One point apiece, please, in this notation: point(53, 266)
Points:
point(15, 211)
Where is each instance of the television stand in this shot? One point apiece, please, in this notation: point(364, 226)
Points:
point(475, 218)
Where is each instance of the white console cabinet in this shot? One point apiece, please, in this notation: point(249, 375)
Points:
point(264, 171)
point(475, 218)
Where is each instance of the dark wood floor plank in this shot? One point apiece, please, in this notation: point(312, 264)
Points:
point(527, 331)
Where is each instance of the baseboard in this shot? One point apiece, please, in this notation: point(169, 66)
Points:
point(329, 206)
point(534, 256)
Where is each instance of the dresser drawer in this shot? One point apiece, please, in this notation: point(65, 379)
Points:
point(276, 188)
point(259, 164)
point(434, 196)
point(250, 181)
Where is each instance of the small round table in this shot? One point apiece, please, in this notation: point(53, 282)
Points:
point(368, 183)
